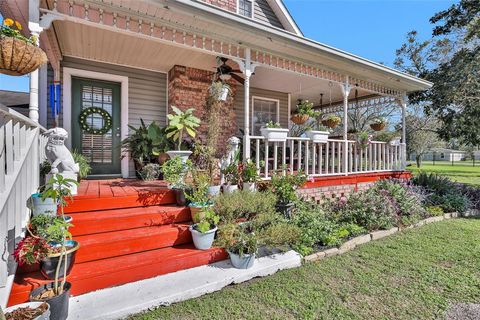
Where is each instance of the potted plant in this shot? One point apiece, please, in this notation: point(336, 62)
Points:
point(57, 293)
point(150, 172)
point(378, 124)
point(173, 172)
point(20, 55)
point(331, 121)
point(285, 189)
point(231, 176)
point(203, 232)
point(274, 132)
point(180, 122)
point(27, 311)
point(197, 194)
point(249, 174)
point(364, 139)
point(219, 90)
point(43, 204)
point(241, 244)
point(204, 159)
point(303, 112)
point(317, 132)
point(83, 164)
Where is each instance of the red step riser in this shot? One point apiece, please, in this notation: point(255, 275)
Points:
point(164, 197)
point(117, 222)
point(85, 285)
point(104, 250)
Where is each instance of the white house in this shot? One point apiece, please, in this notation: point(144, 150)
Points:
point(442, 154)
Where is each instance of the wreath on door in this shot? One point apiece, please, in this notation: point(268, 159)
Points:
point(107, 120)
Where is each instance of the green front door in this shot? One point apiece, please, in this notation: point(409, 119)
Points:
point(102, 150)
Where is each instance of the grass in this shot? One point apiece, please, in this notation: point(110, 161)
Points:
point(461, 171)
point(414, 274)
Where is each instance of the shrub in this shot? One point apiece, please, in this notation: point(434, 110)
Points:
point(434, 211)
point(244, 204)
point(82, 163)
point(285, 187)
point(150, 171)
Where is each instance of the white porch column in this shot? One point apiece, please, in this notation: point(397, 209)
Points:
point(346, 92)
point(35, 30)
point(246, 105)
point(403, 103)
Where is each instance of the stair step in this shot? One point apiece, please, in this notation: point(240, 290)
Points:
point(142, 197)
point(120, 243)
point(105, 273)
point(94, 222)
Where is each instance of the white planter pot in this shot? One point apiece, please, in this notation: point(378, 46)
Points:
point(47, 207)
point(229, 188)
point(44, 316)
point(250, 186)
point(202, 241)
point(65, 175)
point(213, 191)
point(275, 134)
point(182, 154)
point(224, 94)
point(318, 136)
point(245, 262)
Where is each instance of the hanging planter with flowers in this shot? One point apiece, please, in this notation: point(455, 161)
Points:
point(303, 112)
point(19, 55)
point(331, 121)
point(378, 124)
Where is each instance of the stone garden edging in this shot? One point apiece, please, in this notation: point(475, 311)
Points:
point(374, 235)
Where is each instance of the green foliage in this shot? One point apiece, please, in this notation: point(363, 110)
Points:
point(58, 188)
point(198, 188)
point(83, 164)
point(284, 187)
point(272, 125)
point(333, 117)
point(52, 229)
point(434, 211)
point(305, 107)
point(174, 171)
point(179, 122)
point(249, 172)
point(244, 205)
point(208, 220)
point(150, 171)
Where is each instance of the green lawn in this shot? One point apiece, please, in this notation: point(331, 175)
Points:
point(462, 171)
point(414, 274)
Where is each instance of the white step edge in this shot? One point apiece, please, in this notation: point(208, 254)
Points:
point(119, 302)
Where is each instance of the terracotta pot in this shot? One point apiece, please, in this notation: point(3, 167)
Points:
point(377, 126)
point(329, 123)
point(300, 118)
point(162, 158)
point(18, 57)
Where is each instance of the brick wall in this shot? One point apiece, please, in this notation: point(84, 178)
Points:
point(188, 88)
point(230, 5)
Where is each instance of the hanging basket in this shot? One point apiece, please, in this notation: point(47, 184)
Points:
point(300, 118)
point(330, 123)
point(18, 57)
point(377, 126)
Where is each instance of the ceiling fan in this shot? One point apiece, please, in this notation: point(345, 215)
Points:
point(225, 72)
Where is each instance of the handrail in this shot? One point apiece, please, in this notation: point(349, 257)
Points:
point(10, 112)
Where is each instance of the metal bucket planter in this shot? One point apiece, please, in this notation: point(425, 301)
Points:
point(58, 304)
point(213, 191)
point(18, 57)
point(244, 262)
point(40, 206)
point(32, 305)
point(230, 188)
point(250, 186)
point(202, 241)
point(49, 265)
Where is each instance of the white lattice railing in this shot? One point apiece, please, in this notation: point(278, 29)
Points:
point(21, 152)
point(324, 159)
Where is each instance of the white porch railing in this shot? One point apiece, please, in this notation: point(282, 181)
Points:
point(324, 159)
point(21, 152)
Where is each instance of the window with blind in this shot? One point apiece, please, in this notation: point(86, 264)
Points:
point(264, 110)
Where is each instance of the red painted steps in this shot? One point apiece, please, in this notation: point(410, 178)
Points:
point(119, 243)
point(93, 222)
point(99, 274)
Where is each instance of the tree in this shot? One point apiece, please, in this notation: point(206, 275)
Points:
point(451, 60)
point(420, 133)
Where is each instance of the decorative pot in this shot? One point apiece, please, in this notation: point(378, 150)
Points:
point(300, 118)
point(318, 136)
point(229, 188)
point(223, 95)
point(33, 305)
point(275, 134)
point(250, 186)
point(195, 211)
point(202, 241)
point(213, 191)
point(329, 123)
point(48, 266)
point(58, 304)
point(377, 126)
point(47, 207)
point(180, 197)
point(244, 262)
point(184, 154)
point(18, 57)
point(286, 209)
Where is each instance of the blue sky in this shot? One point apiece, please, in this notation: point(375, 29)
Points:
point(372, 29)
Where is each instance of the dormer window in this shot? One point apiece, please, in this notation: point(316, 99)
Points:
point(245, 8)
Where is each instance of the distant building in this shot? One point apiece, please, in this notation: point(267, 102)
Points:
point(18, 101)
point(442, 154)
point(476, 155)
